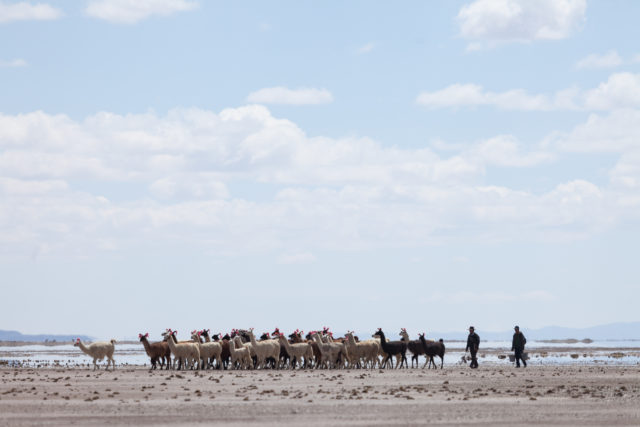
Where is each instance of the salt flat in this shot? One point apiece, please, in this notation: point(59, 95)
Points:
point(493, 394)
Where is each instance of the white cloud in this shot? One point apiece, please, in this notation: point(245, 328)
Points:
point(461, 95)
point(621, 90)
point(14, 63)
point(617, 132)
point(131, 12)
point(610, 59)
point(366, 48)
point(243, 180)
point(283, 95)
point(626, 174)
point(505, 150)
point(498, 21)
point(25, 11)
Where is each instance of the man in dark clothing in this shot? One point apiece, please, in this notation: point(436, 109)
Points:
point(517, 345)
point(473, 343)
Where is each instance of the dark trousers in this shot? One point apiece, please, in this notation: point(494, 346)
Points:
point(519, 357)
point(474, 359)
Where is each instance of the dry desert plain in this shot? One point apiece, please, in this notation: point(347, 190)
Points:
point(493, 394)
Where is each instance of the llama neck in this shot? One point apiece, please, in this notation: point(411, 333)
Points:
point(253, 338)
point(146, 345)
point(285, 343)
point(350, 338)
point(83, 347)
point(383, 340)
point(237, 343)
point(172, 343)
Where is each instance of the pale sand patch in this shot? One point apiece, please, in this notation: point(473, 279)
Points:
point(550, 395)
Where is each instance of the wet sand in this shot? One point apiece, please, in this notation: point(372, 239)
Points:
point(549, 395)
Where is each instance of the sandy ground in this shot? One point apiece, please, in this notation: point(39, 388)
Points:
point(550, 395)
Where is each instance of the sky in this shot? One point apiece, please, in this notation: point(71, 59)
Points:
point(429, 165)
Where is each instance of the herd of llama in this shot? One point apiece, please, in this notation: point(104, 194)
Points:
point(240, 349)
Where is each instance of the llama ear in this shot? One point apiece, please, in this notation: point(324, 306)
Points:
point(139, 335)
point(147, 334)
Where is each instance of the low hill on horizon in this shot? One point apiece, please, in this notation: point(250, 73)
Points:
point(18, 336)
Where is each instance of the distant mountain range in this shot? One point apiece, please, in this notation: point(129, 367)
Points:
point(17, 336)
point(612, 331)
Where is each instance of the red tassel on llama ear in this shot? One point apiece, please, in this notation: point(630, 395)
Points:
point(146, 335)
point(139, 335)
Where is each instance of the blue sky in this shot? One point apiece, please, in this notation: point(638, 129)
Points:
point(182, 163)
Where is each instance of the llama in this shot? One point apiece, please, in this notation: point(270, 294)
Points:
point(414, 346)
point(98, 350)
point(331, 352)
point(296, 337)
point(366, 351)
point(284, 356)
point(157, 351)
point(391, 348)
point(264, 349)
point(246, 340)
point(296, 352)
point(184, 352)
point(208, 350)
point(240, 357)
point(271, 362)
point(433, 348)
point(205, 333)
point(225, 355)
point(355, 354)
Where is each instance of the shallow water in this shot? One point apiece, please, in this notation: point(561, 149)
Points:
point(493, 352)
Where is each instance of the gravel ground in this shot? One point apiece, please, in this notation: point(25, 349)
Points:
point(549, 395)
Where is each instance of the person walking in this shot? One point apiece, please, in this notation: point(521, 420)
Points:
point(473, 343)
point(517, 345)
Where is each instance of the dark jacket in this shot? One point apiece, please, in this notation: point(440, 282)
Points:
point(518, 341)
point(473, 342)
